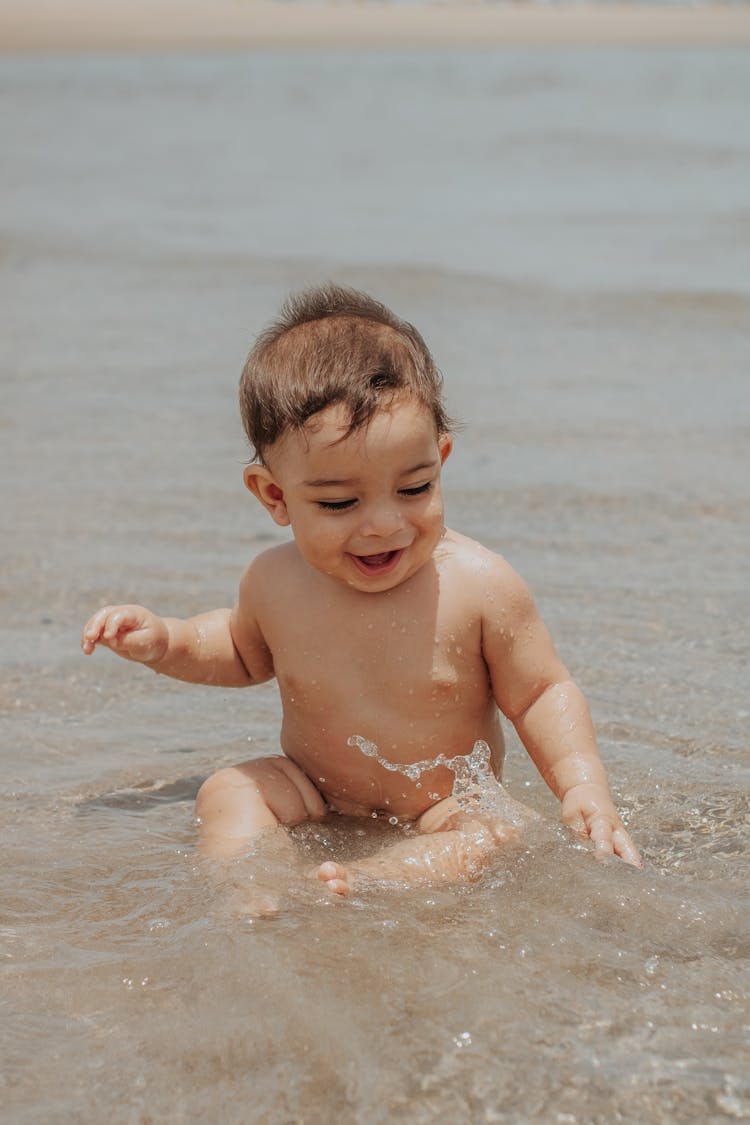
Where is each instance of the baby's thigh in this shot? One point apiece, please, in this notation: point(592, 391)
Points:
point(263, 793)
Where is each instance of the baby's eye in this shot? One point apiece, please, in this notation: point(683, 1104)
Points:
point(418, 489)
point(336, 505)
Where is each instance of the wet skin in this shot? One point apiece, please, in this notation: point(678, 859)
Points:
point(376, 621)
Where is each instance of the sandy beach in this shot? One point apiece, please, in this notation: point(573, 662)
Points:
point(85, 25)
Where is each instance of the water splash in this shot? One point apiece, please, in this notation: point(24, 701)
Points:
point(475, 787)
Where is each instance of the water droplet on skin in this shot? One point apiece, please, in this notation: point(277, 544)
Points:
point(475, 786)
point(393, 820)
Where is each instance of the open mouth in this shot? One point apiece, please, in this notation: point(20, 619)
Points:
point(382, 563)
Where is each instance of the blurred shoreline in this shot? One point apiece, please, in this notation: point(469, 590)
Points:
point(61, 26)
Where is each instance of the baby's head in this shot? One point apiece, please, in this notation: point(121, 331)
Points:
point(334, 346)
point(341, 401)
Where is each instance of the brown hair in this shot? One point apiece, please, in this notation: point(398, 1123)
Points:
point(333, 345)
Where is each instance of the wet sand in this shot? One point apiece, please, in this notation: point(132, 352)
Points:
point(86, 25)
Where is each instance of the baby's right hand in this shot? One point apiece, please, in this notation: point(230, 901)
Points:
point(129, 630)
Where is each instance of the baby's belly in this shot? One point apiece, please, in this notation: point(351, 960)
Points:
point(401, 797)
point(358, 778)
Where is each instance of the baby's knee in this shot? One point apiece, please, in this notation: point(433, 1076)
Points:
point(226, 796)
point(229, 777)
point(230, 809)
point(269, 790)
point(440, 817)
point(476, 835)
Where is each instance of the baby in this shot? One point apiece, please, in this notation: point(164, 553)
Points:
point(377, 621)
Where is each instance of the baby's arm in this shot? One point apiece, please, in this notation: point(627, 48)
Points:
point(199, 649)
point(222, 647)
point(534, 690)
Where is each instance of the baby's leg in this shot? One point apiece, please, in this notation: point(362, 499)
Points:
point(235, 804)
point(454, 846)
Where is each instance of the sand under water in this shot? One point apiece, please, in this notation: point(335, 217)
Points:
point(570, 232)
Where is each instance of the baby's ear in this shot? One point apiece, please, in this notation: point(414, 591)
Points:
point(445, 445)
point(262, 483)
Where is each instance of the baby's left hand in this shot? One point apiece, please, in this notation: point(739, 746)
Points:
point(588, 810)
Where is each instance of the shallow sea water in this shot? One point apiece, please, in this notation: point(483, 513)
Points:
point(570, 232)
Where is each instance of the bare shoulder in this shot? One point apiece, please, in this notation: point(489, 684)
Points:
point(492, 580)
point(516, 644)
point(269, 568)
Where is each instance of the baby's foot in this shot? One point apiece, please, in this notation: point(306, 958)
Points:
point(338, 879)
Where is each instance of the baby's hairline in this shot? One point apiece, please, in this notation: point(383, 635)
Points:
point(400, 397)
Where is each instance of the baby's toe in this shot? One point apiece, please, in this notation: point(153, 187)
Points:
point(335, 877)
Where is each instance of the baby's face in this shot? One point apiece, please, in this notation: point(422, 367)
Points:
point(367, 509)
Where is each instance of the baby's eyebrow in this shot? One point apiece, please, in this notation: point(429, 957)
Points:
point(418, 468)
point(343, 482)
point(328, 483)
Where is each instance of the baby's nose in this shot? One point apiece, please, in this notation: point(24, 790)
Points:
point(381, 519)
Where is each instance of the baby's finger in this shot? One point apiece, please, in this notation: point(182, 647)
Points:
point(625, 848)
point(120, 620)
point(600, 831)
point(92, 630)
point(111, 626)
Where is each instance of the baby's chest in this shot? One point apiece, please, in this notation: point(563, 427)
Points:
point(403, 663)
